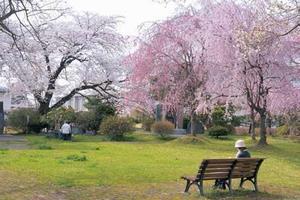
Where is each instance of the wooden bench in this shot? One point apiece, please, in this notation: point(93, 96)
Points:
point(225, 170)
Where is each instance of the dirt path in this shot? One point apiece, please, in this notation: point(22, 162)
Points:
point(13, 142)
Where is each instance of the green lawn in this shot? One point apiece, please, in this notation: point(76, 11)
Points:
point(143, 167)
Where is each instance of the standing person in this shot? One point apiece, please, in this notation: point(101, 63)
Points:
point(66, 131)
point(242, 149)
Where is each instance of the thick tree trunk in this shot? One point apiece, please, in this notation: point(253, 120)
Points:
point(252, 126)
point(263, 130)
point(193, 123)
point(43, 108)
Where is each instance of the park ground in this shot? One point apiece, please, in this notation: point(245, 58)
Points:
point(142, 167)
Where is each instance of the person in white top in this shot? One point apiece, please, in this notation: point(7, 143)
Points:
point(66, 131)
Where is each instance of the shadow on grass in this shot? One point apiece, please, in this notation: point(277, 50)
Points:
point(131, 137)
point(242, 194)
point(278, 151)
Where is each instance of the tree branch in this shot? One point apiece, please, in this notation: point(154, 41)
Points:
point(102, 86)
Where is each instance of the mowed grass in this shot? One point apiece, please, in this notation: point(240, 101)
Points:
point(142, 167)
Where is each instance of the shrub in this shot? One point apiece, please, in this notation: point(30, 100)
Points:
point(56, 117)
point(116, 127)
point(163, 128)
point(230, 128)
point(282, 130)
point(26, 119)
point(147, 122)
point(237, 120)
point(217, 131)
point(100, 111)
point(222, 116)
point(86, 120)
point(218, 116)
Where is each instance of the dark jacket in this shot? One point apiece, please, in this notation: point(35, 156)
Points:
point(243, 154)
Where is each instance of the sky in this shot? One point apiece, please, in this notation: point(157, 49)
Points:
point(135, 12)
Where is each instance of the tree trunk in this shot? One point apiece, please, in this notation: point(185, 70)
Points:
point(269, 125)
point(252, 126)
point(193, 123)
point(163, 114)
point(179, 119)
point(263, 131)
point(43, 108)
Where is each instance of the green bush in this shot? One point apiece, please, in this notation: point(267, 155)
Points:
point(147, 122)
point(223, 117)
point(86, 120)
point(218, 116)
point(217, 131)
point(163, 128)
point(230, 128)
point(99, 110)
point(55, 118)
point(26, 119)
point(116, 127)
point(282, 130)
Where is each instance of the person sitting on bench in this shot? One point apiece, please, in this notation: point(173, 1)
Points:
point(242, 153)
point(242, 149)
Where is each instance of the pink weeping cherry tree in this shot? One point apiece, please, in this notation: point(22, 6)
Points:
point(260, 65)
point(169, 64)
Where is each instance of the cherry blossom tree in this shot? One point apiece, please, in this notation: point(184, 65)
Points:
point(257, 61)
point(63, 58)
point(284, 13)
point(17, 15)
point(170, 64)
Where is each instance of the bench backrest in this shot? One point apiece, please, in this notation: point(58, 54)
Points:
point(211, 169)
point(246, 167)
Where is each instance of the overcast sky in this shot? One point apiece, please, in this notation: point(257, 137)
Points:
point(134, 12)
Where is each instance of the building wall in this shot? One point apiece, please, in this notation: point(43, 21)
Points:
point(77, 103)
point(6, 99)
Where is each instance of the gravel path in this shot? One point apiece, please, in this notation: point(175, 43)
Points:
point(13, 142)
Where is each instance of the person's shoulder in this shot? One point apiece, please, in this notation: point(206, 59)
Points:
point(247, 152)
point(243, 154)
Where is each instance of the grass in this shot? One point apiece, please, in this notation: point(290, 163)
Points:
point(142, 167)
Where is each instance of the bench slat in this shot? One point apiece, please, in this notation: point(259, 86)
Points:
point(249, 159)
point(246, 164)
point(211, 166)
point(215, 177)
point(210, 170)
point(244, 168)
point(220, 161)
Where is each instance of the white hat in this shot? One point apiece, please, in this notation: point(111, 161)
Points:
point(240, 143)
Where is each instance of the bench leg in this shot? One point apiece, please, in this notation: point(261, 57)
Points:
point(229, 185)
point(253, 180)
point(255, 184)
point(200, 187)
point(188, 185)
point(241, 182)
